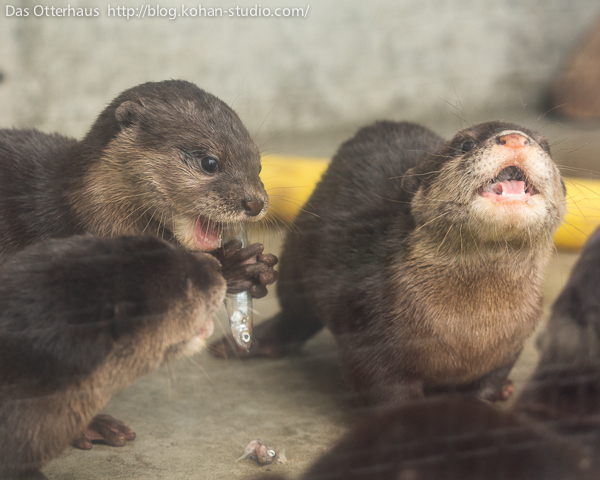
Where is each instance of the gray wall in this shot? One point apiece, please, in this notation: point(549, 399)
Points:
point(347, 63)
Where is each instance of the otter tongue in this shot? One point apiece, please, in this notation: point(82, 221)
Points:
point(207, 234)
point(508, 189)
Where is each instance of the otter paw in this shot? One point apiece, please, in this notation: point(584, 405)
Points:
point(105, 429)
point(247, 268)
point(500, 393)
point(507, 390)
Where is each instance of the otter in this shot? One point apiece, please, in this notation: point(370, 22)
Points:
point(564, 390)
point(165, 159)
point(84, 317)
point(424, 258)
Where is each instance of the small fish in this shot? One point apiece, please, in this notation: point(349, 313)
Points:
point(239, 305)
point(239, 310)
point(264, 455)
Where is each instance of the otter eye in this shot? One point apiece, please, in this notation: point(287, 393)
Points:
point(209, 164)
point(467, 146)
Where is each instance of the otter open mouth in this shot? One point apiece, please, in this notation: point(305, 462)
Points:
point(207, 234)
point(510, 184)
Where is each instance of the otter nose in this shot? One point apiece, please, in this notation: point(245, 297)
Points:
point(513, 140)
point(252, 207)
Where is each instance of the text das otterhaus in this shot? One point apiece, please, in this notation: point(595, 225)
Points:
point(44, 11)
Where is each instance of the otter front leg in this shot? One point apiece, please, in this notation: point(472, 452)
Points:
point(105, 429)
point(247, 268)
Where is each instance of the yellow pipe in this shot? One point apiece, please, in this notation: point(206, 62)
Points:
point(583, 213)
point(290, 180)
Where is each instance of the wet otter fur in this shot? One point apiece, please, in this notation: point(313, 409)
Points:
point(425, 258)
point(84, 317)
point(456, 438)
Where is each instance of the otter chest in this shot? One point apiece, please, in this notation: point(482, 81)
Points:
point(466, 327)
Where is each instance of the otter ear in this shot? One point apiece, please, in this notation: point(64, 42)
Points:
point(411, 181)
point(128, 113)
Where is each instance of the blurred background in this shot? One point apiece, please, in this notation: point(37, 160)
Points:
point(346, 63)
point(301, 86)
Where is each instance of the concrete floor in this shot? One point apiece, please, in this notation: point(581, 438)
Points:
point(194, 418)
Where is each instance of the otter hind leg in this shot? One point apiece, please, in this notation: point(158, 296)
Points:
point(105, 429)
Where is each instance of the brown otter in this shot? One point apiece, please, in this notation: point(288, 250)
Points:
point(84, 317)
point(165, 159)
point(424, 258)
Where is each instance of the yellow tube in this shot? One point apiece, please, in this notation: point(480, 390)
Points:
point(583, 213)
point(290, 180)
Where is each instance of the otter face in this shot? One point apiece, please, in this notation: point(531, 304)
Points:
point(190, 161)
point(176, 297)
point(495, 182)
point(203, 289)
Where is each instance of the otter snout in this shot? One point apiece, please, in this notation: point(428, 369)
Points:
point(513, 140)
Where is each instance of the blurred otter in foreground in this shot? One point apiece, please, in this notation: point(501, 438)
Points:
point(83, 318)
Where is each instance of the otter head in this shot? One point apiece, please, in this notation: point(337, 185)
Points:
point(162, 307)
point(492, 183)
point(186, 160)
